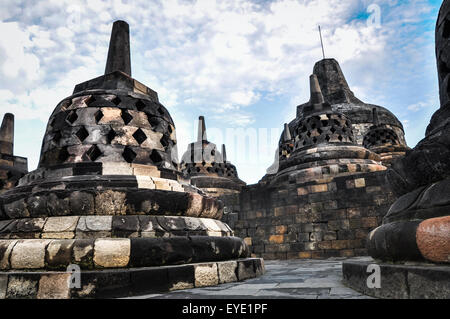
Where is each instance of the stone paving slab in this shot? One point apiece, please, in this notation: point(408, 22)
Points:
point(284, 279)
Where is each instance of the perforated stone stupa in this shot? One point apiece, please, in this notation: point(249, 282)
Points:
point(326, 191)
point(209, 170)
point(108, 198)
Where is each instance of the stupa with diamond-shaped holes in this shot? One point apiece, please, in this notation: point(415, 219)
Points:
point(108, 199)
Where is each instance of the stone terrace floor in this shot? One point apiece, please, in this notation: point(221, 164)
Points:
point(284, 279)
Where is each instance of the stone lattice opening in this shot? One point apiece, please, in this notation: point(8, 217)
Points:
point(129, 155)
point(57, 137)
point(93, 153)
point(165, 141)
point(98, 116)
point(91, 99)
point(65, 104)
point(156, 157)
point(72, 117)
point(111, 135)
point(139, 136)
point(154, 121)
point(126, 117)
point(140, 105)
point(116, 101)
point(82, 134)
point(63, 154)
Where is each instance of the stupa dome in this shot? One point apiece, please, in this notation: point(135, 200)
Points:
point(337, 93)
point(111, 119)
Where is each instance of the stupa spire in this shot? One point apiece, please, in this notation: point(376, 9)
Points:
point(224, 153)
point(287, 133)
point(119, 58)
point(7, 134)
point(201, 129)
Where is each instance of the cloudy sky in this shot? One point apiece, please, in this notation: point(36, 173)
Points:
point(243, 64)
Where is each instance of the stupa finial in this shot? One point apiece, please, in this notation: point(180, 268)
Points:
point(7, 134)
point(119, 58)
point(287, 133)
point(224, 153)
point(201, 129)
point(316, 93)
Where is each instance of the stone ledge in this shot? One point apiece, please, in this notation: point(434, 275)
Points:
point(400, 281)
point(126, 282)
point(134, 226)
point(101, 253)
point(118, 195)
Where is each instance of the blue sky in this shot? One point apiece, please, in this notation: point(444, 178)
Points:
point(243, 64)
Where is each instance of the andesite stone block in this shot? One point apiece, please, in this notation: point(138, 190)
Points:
point(112, 253)
point(181, 277)
point(29, 254)
point(59, 254)
point(55, 286)
point(206, 275)
point(22, 286)
point(227, 271)
point(245, 269)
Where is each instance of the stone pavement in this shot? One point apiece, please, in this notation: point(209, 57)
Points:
point(284, 279)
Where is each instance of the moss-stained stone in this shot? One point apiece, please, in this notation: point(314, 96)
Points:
point(181, 277)
point(6, 247)
point(110, 203)
point(3, 286)
point(211, 225)
point(206, 275)
point(37, 205)
point(227, 271)
point(83, 253)
point(30, 225)
point(59, 254)
point(22, 286)
point(125, 226)
point(171, 223)
point(94, 223)
point(195, 205)
point(29, 254)
point(54, 286)
point(65, 235)
point(260, 268)
point(82, 203)
point(17, 209)
point(61, 224)
point(112, 253)
point(58, 204)
point(245, 269)
point(194, 224)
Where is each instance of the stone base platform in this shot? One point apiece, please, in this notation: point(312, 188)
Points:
point(114, 283)
point(400, 281)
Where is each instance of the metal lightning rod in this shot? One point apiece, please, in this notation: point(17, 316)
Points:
point(321, 42)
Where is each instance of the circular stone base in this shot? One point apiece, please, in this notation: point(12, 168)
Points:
point(116, 283)
point(399, 281)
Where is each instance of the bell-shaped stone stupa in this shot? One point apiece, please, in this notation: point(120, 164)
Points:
point(108, 200)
